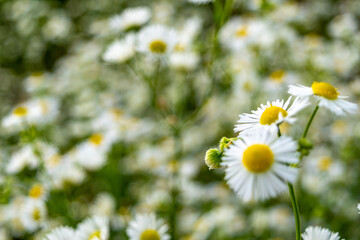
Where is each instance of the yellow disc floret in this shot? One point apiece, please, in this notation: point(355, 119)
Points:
point(325, 90)
point(271, 115)
point(95, 235)
point(36, 214)
point(241, 32)
point(20, 111)
point(36, 191)
point(150, 234)
point(158, 46)
point(277, 76)
point(258, 158)
point(96, 139)
point(325, 163)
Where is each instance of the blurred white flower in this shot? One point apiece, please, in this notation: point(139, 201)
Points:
point(147, 227)
point(120, 50)
point(94, 228)
point(33, 214)
point(156, 40)
point(318, 233)
point(61, 233)
point(130, 18)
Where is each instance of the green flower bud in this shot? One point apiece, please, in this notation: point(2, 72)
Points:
point(213, 158)
point(305, 143)
point(304, 152)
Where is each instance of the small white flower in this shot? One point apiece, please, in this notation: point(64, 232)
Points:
point(34, 214)
point(327, 96)
point(94, 228)
point(147, 227)
point(61, 233)
point(258, 165)
point(184, 61)
point(25, 157)
point(121, 50)
point(130, 18)
point(318, 233)
point(200, 1)
point(156, 40)
point(269, 116)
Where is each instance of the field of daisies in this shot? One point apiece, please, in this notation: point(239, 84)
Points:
point(179, 120)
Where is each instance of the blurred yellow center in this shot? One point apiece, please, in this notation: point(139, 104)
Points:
point(36, 191)
point(325, 163)
point(95, 235)
point(96, 139)
point(20, 111)
point(258, 158)
point(325, 90)
point(36, 214)
point(158, 46)
point(242, 31)
point(277, 76)
point(150, 234)
point(271, 115)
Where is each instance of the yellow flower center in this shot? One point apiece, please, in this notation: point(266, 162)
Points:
point(20, 111)
point(150, 234)
point(258, 158)
point(158, 46)
point(95, 235)
point(96, 139)
point(277, 76)
point(325, 90)
point(271, 115)
point(36, 191)
point(325, 163)
point(36, 214)
point(241, 32)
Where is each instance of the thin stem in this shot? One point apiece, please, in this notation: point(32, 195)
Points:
point(294, 204)
point(310, 121)
point(296, 211)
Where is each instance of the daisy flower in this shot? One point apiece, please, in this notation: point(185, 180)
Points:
point(94, 228)
point(120, 50)
point(34, 214)
point(327, 96)
point(147, 227)
point(269, 116)
point(60, 233)
point(318, 233)
point(156, 40)
point(258, 165)
point(130, 18)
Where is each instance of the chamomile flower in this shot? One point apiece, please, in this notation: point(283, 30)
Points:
point(156, 40)
point(130, 18)
point(94, 228)
point(268, 116)
point(327, 96)
point(120, 50)
point(147, 227)
point(34, 214)
point(257, 165)
point(60, 233)
point(38, 191)
point(318, 233)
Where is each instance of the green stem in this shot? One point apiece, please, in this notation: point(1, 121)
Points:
point(296, 211)
point(310, 121)
point(294, 203)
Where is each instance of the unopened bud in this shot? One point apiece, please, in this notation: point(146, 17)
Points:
point(213, 158)
point(305, 143)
